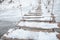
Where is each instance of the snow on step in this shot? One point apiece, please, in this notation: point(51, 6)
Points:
point(38, 25)
point(37, 14)
point(25, 34)
point(44, 18)
point(32, 16)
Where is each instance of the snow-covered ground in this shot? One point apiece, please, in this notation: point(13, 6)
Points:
point(30, 35)
point(11, 12)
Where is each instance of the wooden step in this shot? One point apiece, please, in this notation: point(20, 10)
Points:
point(33, 14)
point(36, 29)
point(28, 17)
point(37, 20)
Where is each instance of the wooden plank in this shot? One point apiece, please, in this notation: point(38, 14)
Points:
point(6, 38)
point(28, 17)
point(32, 15)
point(36, 29)
point(37, 20)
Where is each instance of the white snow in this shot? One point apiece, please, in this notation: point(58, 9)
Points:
point(5, 5)
point(12, 11)
point(47, 18)
point(25, 34)
point(16, 4)
point(11, 30)
point(38, 25)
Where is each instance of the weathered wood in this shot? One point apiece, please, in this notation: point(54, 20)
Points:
point(36, 29)
point(58, 36)
point(33, 14)
point(32, 17)
point(6, 38)
point(37, 21)
point(59, 24)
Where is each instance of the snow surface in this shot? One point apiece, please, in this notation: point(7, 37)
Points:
point(42, 19)
point(38, 25)
point(16, 4)
point(6, 6)
point(12, 11)
point(25, 34)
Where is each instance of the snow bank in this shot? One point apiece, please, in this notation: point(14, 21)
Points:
point(39, 25)
point(24, 34)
